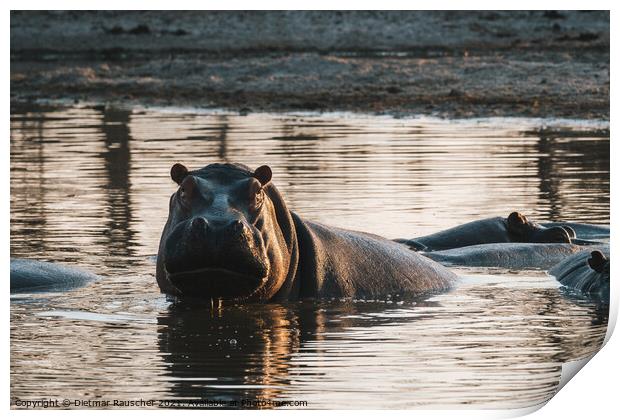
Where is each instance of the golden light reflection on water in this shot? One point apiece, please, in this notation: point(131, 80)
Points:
point(91, 187)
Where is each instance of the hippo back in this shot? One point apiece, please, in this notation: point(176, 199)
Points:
point(514, 228)
point(342, 263)
point(30, 276)
point(516, 256)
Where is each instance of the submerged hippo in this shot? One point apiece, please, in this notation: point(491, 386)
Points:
point(514, 256)
point(514, 228)
point(31, 276)
point(586, 272)
point(230, 235)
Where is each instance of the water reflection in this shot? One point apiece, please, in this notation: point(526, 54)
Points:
point(499, 349)
point(117, 161)
point(27, 173)
point(228, 353)
point(587, 158)
point(90, 186)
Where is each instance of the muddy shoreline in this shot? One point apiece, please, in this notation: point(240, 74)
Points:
point(448, 64)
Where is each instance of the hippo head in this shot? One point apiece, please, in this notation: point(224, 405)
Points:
point(522, 230)
point(223, 239)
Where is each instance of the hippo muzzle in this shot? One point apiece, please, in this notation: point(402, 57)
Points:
point(556, 234)
point(217, 259)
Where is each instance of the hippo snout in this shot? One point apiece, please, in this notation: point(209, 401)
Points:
point(200, 244)
point(201, 231)
point(555, 234)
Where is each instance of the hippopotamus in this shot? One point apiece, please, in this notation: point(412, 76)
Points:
point(31, 276)
point(586, 272)
point(514, 228)
point(583, 230)
point(230, 236)
point(514, 256)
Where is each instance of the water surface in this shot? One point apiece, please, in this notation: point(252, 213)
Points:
point(90, 187)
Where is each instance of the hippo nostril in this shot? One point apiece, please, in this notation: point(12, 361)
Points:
point(236, 226)
point(199, 226)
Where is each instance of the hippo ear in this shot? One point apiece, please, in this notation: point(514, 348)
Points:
point(178, 173)
point(516, 222)
point(263, 174)
point(597, 261)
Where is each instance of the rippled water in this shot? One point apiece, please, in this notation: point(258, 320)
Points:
point(90, 187)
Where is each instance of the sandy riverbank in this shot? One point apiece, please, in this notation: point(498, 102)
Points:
point(540, 64)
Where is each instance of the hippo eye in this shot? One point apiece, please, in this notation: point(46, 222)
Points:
point(255, 195)
point(258, 199)
point(182, 196)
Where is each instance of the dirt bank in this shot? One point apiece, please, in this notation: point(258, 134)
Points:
point(539, 63)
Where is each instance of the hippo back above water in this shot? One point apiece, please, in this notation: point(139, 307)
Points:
point(31, 276)
point(513, 256)
point(230, 235)
point(514, 228)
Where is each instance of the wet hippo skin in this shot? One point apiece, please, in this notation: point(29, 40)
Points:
point(516, 256)
point(230, 235)
point(586, 273)
point(31, 276)
point(514, 228)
